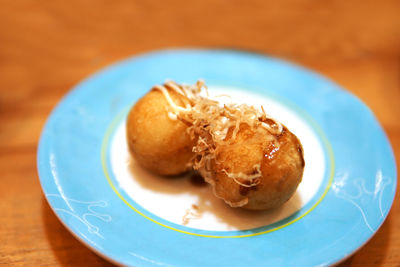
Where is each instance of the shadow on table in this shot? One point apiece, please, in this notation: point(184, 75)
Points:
point(68, 250)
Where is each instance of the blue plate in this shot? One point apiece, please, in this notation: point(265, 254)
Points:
point(349, 203)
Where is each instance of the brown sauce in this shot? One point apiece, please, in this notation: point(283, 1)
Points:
point(197, 180)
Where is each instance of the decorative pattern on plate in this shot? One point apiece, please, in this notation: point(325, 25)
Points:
point(364, 197)
point(87, 207)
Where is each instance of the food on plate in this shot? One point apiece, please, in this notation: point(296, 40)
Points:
point(250, 159)
point(155, 137)
point(256, 169)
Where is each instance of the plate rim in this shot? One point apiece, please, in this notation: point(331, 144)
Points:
point(233, 52)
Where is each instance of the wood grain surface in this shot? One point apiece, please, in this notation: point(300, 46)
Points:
point(47, 47)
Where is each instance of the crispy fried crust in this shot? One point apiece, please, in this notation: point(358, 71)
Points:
point(158, 143)
point(281, 163)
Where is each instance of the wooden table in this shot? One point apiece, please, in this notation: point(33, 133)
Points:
point(46, 47)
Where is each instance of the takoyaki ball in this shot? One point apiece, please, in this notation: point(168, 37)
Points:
point(277, 158)
point(156, 138)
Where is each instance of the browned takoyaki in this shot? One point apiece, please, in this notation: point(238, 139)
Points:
point(250, 159)
point(156, 138)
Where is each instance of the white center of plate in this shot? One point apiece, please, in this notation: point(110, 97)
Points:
point(179, 200)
